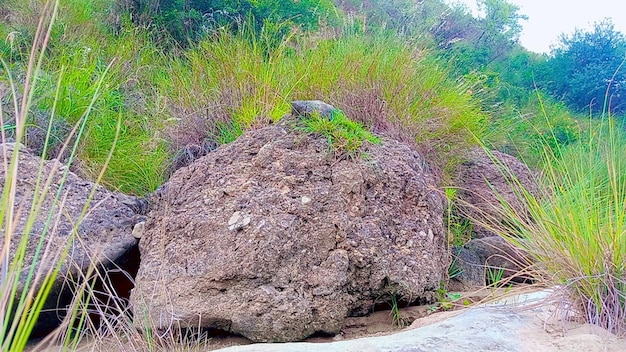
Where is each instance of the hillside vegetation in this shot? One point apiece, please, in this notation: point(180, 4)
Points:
point(169, 80)
point(197, 73)
point(170, 92)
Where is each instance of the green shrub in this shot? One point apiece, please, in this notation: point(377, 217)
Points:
point(194, 19)
point(528, 129)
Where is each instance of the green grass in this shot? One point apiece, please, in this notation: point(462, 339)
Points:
point(88, 49)
point(458, 227)
point(345, 137)
point(25, 286)
point(576, 229)
point(397, 318)
point(540, 122)
point(151, 104)
point(230, 83)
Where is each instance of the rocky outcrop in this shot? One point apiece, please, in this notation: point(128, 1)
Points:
point(102, 237)
point(486, 182)
point(272, 238)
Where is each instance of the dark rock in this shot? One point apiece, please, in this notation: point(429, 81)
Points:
point(102, 237)
point(480, 255)
point(307, 107)
point(270, 238)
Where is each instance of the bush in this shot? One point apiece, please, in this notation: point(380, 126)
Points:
point(345, 137)
point(527, 130)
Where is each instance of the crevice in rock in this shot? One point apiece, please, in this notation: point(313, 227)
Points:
point(112, 289)
point(385, 303)
point(119, 278)
point(321, 334)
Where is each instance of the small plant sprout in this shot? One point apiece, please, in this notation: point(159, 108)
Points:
point(397, 318)
point(454, 270)
point(494, 276)
point(445, 300)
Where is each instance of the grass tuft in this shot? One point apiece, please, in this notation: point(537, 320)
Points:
point(345, 137)
point(35, 256)
point(576, 229)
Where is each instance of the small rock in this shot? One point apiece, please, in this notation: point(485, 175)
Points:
point(138, 229)
point(306, 200)
point(234, 218)
point(307, 107)
point(238, 221)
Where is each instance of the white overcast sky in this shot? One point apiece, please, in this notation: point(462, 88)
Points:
point(547, 19)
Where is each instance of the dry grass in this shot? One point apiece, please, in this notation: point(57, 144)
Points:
point(235, 82)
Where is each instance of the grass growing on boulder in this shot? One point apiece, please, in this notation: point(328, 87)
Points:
point(576, 230)
point(345, 137)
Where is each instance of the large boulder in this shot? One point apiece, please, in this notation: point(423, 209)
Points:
point(486, 181)
point(272, 238)
point(102, 238)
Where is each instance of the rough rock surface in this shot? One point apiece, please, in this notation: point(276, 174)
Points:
point(103, 234)
point(484, 184)
point(272, 238)
point(494, 253)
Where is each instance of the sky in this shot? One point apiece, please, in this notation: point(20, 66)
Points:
point(547, 19)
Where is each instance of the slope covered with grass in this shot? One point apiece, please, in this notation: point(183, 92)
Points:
point(212, 91)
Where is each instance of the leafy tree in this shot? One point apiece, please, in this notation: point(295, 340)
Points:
point(417, 18)
point(517, 75)
point(484, 40)
point(499, 28)
point(584, 69)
